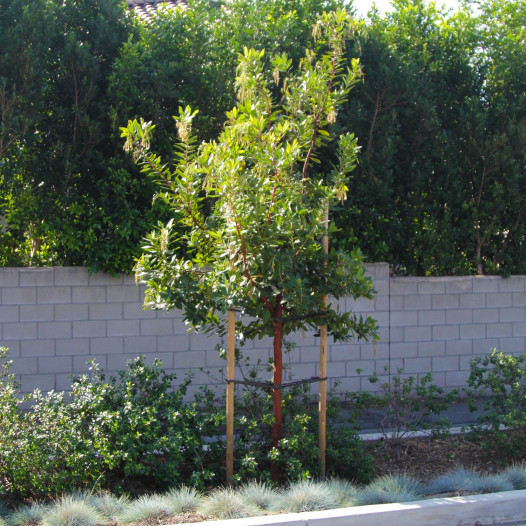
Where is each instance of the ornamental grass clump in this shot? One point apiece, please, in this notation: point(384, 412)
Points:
point(27, 515)
point(306, 495)
point(147, 507)
point(260, 494)
point(183, 499)
point(343, 490)
point(516, 474)
point(387, 489)
point(71, 511)
point(109, 506)
point(225, 503)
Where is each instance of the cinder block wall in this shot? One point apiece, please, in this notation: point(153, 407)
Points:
point(56, 319)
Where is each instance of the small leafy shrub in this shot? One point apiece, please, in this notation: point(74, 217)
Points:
point(411, 404)
point(498, 382)
point(127, 432)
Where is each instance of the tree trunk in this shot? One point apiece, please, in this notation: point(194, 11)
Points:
point(278, 378)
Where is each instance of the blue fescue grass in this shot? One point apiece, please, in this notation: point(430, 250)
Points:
point(388, 489)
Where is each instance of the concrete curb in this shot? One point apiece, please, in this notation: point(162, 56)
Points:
point(488, 509)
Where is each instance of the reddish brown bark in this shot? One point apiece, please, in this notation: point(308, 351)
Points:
point(278, 378)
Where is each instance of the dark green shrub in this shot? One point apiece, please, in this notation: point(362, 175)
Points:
point(411, 404)
point(298, 453)
point(497, 385)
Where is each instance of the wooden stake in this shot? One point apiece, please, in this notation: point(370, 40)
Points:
point(322, 408)
point(230, 366)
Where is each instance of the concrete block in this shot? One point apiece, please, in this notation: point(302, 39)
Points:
point(512, 284)
point(88, 329)
point(519, 299)
point(68, 312)
point(457, 378)
point(486, 315)
point(195, 360)
point(396, 334)
point(367, 351)
point(404, 286)
point(71, 276)
point(512, 345)
point(55, 364)
point(499, 299)
point(417, 365)
point(124, 293)
point(396, 303)
point(519, 329)
point(19, 296)
point(308, 353)
point(37, 348)
point(483, 346)
point(445, 363)
point(341, 352)
point(499, 330)
point(9, 313)
point(123, 328)
point(105, 311)
point(431, 317)
point(9, 277)
point(461, 285)
point(24, 366)
point(437, 348)
point(212, 358)
point(432, 286)
point(89, 294)
point(138, 345)
point(404, 350)
point(404, 319)
point(359, 305)
point(53, 295)
point(136, 310)
point(418, 334)
point(37, 277)
point(459, 316)
point(72, 347)
point(54, 329)
point(486, 283)
point(472, 301)
point(474, 331)
point(381, 304)
point(382, 287)
point(175, 343)
point(113, 345)
point(180, 327)
point(118, 362)
point(417, 302)
point(457, 347)
point(156, 327)
point(203, 342)
point(44, 382)
point(512, 314)
point(19, 331)
point(446, 301)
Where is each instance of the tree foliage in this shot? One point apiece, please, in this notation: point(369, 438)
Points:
point(249, 207)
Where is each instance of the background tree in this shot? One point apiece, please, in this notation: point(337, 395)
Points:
point(259, 248)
